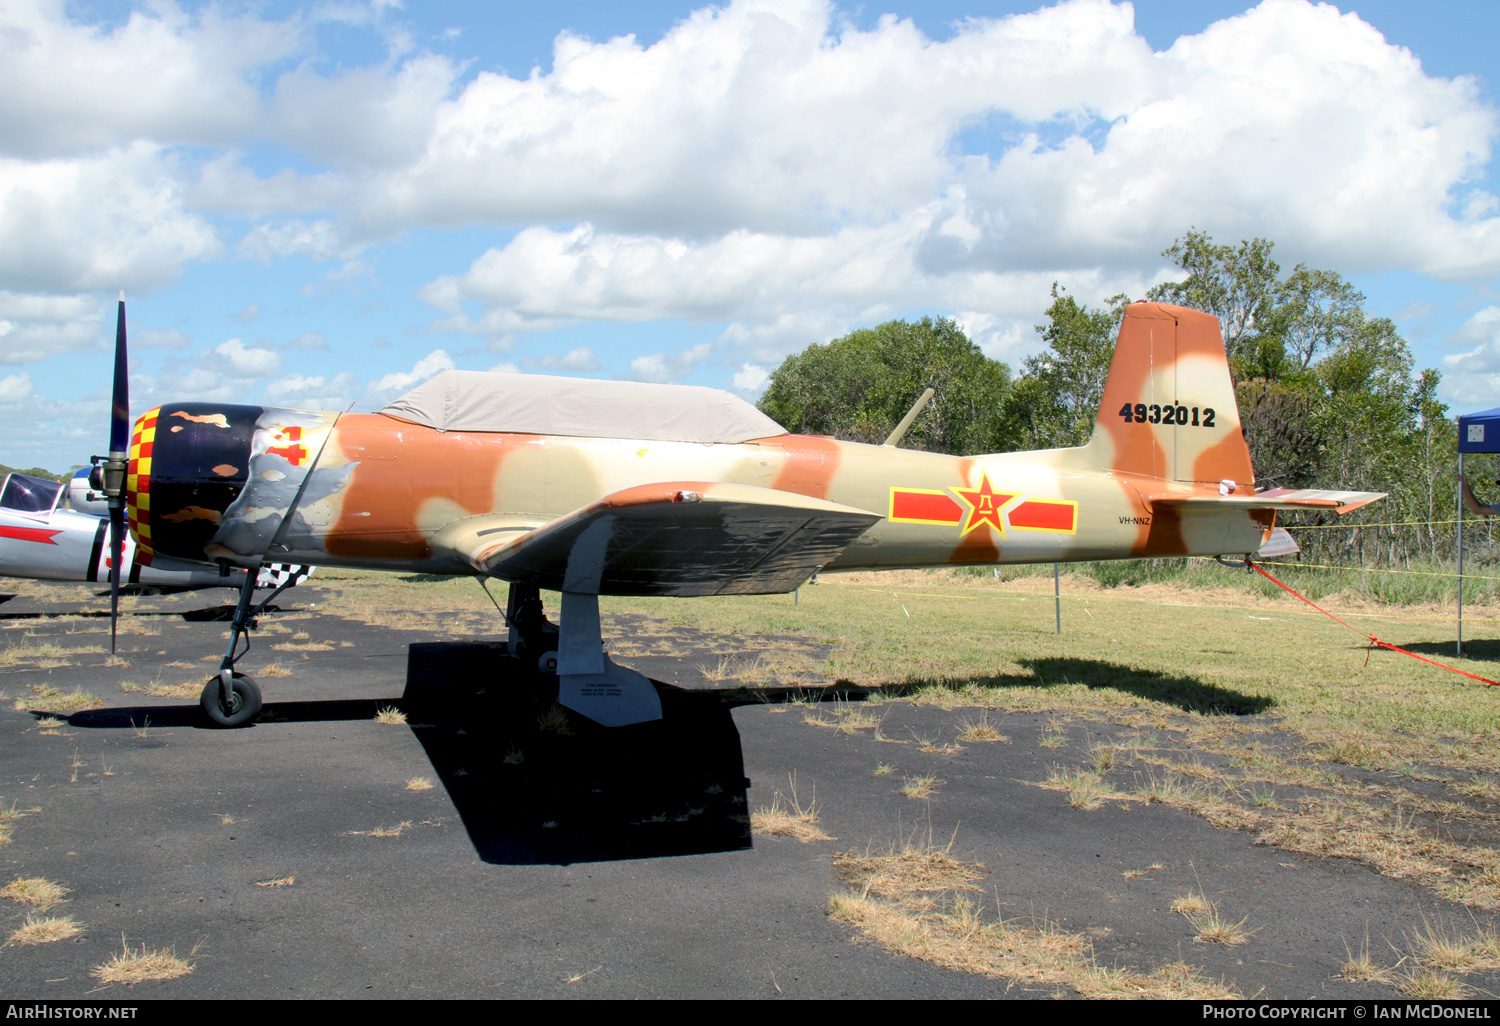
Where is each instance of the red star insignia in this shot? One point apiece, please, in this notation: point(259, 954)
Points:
point(984, 504)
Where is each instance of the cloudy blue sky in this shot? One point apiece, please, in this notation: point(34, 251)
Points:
point(321, 204)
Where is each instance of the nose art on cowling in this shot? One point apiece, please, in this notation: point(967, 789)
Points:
point(188, 463)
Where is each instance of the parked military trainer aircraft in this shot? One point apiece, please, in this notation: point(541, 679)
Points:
point(598, 488)
point(55, 532)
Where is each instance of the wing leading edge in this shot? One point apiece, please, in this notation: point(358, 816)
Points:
point(679, 538)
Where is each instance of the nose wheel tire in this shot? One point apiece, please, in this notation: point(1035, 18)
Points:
point(245, 701)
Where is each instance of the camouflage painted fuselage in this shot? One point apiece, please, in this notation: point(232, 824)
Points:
point(375, 491)
point(393, 486)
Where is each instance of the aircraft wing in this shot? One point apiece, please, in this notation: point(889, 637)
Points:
point(1279, 498)
point(673, 538)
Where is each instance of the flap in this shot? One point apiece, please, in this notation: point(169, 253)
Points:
point(673, 538)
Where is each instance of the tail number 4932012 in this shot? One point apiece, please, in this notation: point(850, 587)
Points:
point(1186, 416)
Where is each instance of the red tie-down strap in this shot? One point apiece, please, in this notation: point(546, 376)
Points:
point(1374, 641)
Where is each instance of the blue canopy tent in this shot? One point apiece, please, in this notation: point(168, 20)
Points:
point(1477, 432)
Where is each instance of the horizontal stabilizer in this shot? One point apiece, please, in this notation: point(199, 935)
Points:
point(1344, 502)
point(673, 538)
point(1277, 498)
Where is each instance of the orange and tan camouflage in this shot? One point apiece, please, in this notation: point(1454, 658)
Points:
point(1166, 472)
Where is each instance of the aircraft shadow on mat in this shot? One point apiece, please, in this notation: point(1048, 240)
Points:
point(207, 614)
point(536, 784)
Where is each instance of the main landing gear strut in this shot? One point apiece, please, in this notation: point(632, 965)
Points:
point(230, 698)
point(588, 681)
point(533, 638)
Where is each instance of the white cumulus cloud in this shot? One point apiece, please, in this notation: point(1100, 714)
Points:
point(1473, 377)
point(244, 361)
point(15, 387)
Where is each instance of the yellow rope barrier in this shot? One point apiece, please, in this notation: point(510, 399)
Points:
point(1395, 523)
point(1375, 570)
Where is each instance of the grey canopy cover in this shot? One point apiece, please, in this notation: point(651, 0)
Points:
point(538, 404)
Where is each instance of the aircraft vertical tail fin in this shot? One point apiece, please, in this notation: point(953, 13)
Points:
point(1169, 410)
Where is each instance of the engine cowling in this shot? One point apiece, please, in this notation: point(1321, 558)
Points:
point(189, 462)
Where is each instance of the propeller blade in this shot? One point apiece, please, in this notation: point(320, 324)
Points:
point(119, 455)
point(119, 417)
point(117, 531)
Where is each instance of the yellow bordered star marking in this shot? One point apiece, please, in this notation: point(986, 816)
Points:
point(984, 505)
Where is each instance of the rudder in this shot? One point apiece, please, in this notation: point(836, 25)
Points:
point(1169, 410)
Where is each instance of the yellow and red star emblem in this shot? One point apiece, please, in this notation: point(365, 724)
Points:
point(984, 504)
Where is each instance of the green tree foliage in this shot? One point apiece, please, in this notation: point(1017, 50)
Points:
point(860, 386)
point(1056, 399)
point(1237, 284)
point(32, 472)
point(1329, 397)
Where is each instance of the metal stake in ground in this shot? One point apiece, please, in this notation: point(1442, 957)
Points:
point(1057, 595)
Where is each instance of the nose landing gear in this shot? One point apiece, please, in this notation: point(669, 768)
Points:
point(230, 698)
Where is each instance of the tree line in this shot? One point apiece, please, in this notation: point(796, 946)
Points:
point(1329, 396)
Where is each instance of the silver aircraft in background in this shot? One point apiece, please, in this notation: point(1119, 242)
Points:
point(51, 531)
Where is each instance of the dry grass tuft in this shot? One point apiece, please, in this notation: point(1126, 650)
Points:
point(788, 817)
point(395, 831)
point(273, 670)
point(921, 787)
point(1086, 788)
point(1361, 967)
point(419, 784)
point(390, 716)
point(1103, 758)
point(8, 819)
point(980, 730)
point(191, 690)
point(1446, 949)
point(34, 891)
point(47, 699)
point(14, 813)
point(38, 653)
point(1431, 985)
point(138, 966)
point(914, 900)
point(908, 873)
point(45, 930)
point(852, 718)
point(285, 881)
point(556, 721)
point(1211, 927)
point(1191, 904)
point(732, 668)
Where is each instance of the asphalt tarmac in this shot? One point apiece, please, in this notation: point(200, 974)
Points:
point(592, 863)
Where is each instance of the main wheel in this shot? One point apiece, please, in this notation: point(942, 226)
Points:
point(547, 664)
point(245, 702)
